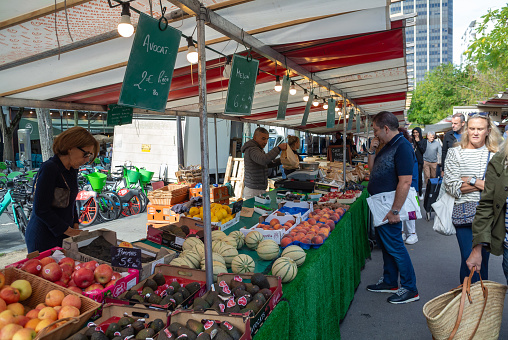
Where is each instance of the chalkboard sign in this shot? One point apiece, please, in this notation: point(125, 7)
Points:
point(242, 84)
point(330, 114)
point(350, 120)
point(307, 109)
point(119, 115)
point(150, 68)
point(237, 207)
point(337, 153)
point(283, 101)
point(126, 257)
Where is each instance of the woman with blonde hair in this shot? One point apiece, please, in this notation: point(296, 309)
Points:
point(294, 144)
point(464, 179)
point(54, 216)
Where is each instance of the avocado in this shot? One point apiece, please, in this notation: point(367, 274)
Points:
point(151, 283)
point(241, 292)
point(260, 280)
point(123, 322)
point(147, 290)
point(112, 328)
point(78, 336)
point(145, 333)
point(138, 326)
point(184, 330)
point(211, 326)
point(96, 335)
point(235, 309)
point(266, 293)
point(137, 298)
point(178, 298)
point(128, 331)
point(254, 305)
point(130, 294)
point(157, 325)
point(198, 308)
point(201, 234)
point(90, 331)
point(195, 326)
point(166, 300)
point(174, 327)
point(233, 331)
point(175, 285)
point(184, 292)
point(259, 297)
point(252, 289)
point(236, 284)
point(159, 279)
point(117, 338)
point(193, 287)
point(154, 299)
point(210, 297)
point(201, 302)
point(185, 229)
point(222, 335)
point(217, 306)
point(203, 336)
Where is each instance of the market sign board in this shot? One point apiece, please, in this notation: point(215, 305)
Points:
point(330, 114)
point(283, 101)
point(307, 108)
point(242, 84)
point(119, 115)
point(495, 113)
point(150, 67)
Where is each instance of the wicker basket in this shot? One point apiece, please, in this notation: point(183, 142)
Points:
point(189, 176)
point(169, 195)
point(40, 288)
point(442, 312)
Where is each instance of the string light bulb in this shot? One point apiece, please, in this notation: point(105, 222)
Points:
point(227, 68)
point(315, 102)
point(125, 28)
point(305, 96)
point(278, 86)
point(325, 104)
point(192, 53)
point(292, 89)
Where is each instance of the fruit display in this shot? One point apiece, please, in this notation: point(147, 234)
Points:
point(201, 329)
point(275, 224)
point(252, 239)
point(285, 268)
point(296, 253)
point(220, 213)
point(100, 248)
point(332, 197)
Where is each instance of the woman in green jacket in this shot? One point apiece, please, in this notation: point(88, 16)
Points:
point(490, 225)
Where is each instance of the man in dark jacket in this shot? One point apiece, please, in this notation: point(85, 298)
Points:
point(419, 145)
point(257, 162)
point(452, 136)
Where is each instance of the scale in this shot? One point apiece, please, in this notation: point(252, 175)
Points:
point(301, 180)
point(304, 175)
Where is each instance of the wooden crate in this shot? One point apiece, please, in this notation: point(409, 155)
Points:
point(235, 176)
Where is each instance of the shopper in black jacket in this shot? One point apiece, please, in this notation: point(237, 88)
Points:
point(419, 145)
point(453, 136)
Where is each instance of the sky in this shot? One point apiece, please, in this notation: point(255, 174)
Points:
point(465, 11)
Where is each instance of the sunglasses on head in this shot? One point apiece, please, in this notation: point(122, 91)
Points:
point(86, 154)
point(479, 114)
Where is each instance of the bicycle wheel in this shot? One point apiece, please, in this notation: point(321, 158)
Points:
point(22, 221)
point(108, 210)
point(144, 201)
point(87, 211)
point(133, 206)
point(118, 203)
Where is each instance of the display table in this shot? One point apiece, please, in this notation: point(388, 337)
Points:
point(318, 298)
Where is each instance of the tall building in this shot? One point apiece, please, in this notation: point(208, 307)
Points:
point(429, 42)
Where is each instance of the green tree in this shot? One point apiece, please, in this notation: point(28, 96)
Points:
point(489, 50)
point(444, 87)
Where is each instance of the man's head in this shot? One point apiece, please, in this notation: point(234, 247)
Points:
point(458, 122)
point(385, 126)
point(261, 136)
point(431, 135)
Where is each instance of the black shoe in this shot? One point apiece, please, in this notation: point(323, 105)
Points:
point(403, 296)
point(381, 287)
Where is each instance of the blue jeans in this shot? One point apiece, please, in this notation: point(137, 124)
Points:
point(396, 259)
point(505, 264)
point(465, 239)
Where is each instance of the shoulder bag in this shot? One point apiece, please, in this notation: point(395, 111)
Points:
point(61, 196)
point(463, 213)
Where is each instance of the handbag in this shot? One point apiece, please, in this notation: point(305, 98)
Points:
point(61, 196)
point(443, 209)
point(463, 213)
point(450, 317)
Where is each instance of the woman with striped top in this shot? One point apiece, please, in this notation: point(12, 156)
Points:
point(465, 167)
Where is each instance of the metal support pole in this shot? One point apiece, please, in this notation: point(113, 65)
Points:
point(179, 141)
point(203, 122)
point(76, 118)
point(61, 120)
point(344, 144)
point(216, 152)
point(88, 119)
point(367, 125)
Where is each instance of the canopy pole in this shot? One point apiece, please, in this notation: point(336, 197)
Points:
point(203, 122)
point(367, 125)
point(344, 144)
point(179, 141)
point(216, 152)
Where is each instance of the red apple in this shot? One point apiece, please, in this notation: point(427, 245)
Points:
point(110, 283)
point(66, 276)
point(2, 280)
point(90, 265)
point(60, 283)
point(71, 300)
point(47, 260)
point(32, 266)
point(103, 273)
point(116, 276)
point(9, 295)
point(95, 286)
point(71, 283)
point(52, 272)
point(83, 277)
point(68, 261)
point(75, 289)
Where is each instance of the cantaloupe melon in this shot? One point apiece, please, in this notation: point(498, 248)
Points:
point(191, 242)
point(218, 235)
point(230, 240)
point(217, 245)
point(286, 268)
point(268, 250)
point(216, 258)
point(193, 257)
point(181, 262)
point(228, 253)
point(252, 239)
point(239, 237)
point(218, 267)
point(200, 249)
point(242, 264)
point(296, 253)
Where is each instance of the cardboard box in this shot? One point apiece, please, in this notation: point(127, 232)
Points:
point(275, 235)
point(155, 234)
point(181, 275)
point(111, 313)
point(216, 193)
point(40, 288)
point(181, 316)
point(161, 213)
point(72, 245)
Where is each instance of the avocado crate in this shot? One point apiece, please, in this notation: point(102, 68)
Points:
point(156, 234)
point(209, 317)
point(129, 277)
point(40, 288)
point(181, 275)
point(112, 313)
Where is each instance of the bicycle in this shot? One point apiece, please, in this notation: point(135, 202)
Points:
point(20, 200)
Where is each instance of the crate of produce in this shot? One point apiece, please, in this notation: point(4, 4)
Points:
point(263, 199)
point(254, 307)
point(96, 246)
point(161, 213)
point(235, 326)
point(173, 235)
point(160, 289)
point(274, 226)
point(169, 194)
point(113, 283)
point(297, 208)
point(127, 322)
point(216, 193)
point(68, 323)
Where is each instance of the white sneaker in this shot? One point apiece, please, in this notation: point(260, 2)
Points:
point(412, 239)
point(404, 236)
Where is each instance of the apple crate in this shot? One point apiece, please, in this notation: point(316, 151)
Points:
point(40, 288)
point(181, 275)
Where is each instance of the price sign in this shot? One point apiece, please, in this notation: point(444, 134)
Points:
point(307, 108)
point(283, 100)
point(242, 84)
point(150, 68)
point(126, 257)
point(330, 114)
point(237, 207)
point(119, 115)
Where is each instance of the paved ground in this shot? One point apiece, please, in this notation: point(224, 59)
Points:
point(435, 258)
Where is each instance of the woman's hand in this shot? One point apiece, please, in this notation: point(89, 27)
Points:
point(475, 259)
point(72, 232)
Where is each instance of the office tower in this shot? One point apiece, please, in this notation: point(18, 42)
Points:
point(429, 35)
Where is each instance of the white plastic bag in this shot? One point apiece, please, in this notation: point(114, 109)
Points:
point(443, 220)
point(380, 204)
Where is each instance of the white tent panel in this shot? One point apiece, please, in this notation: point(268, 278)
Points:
point(362, 68)
point(397, 105)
